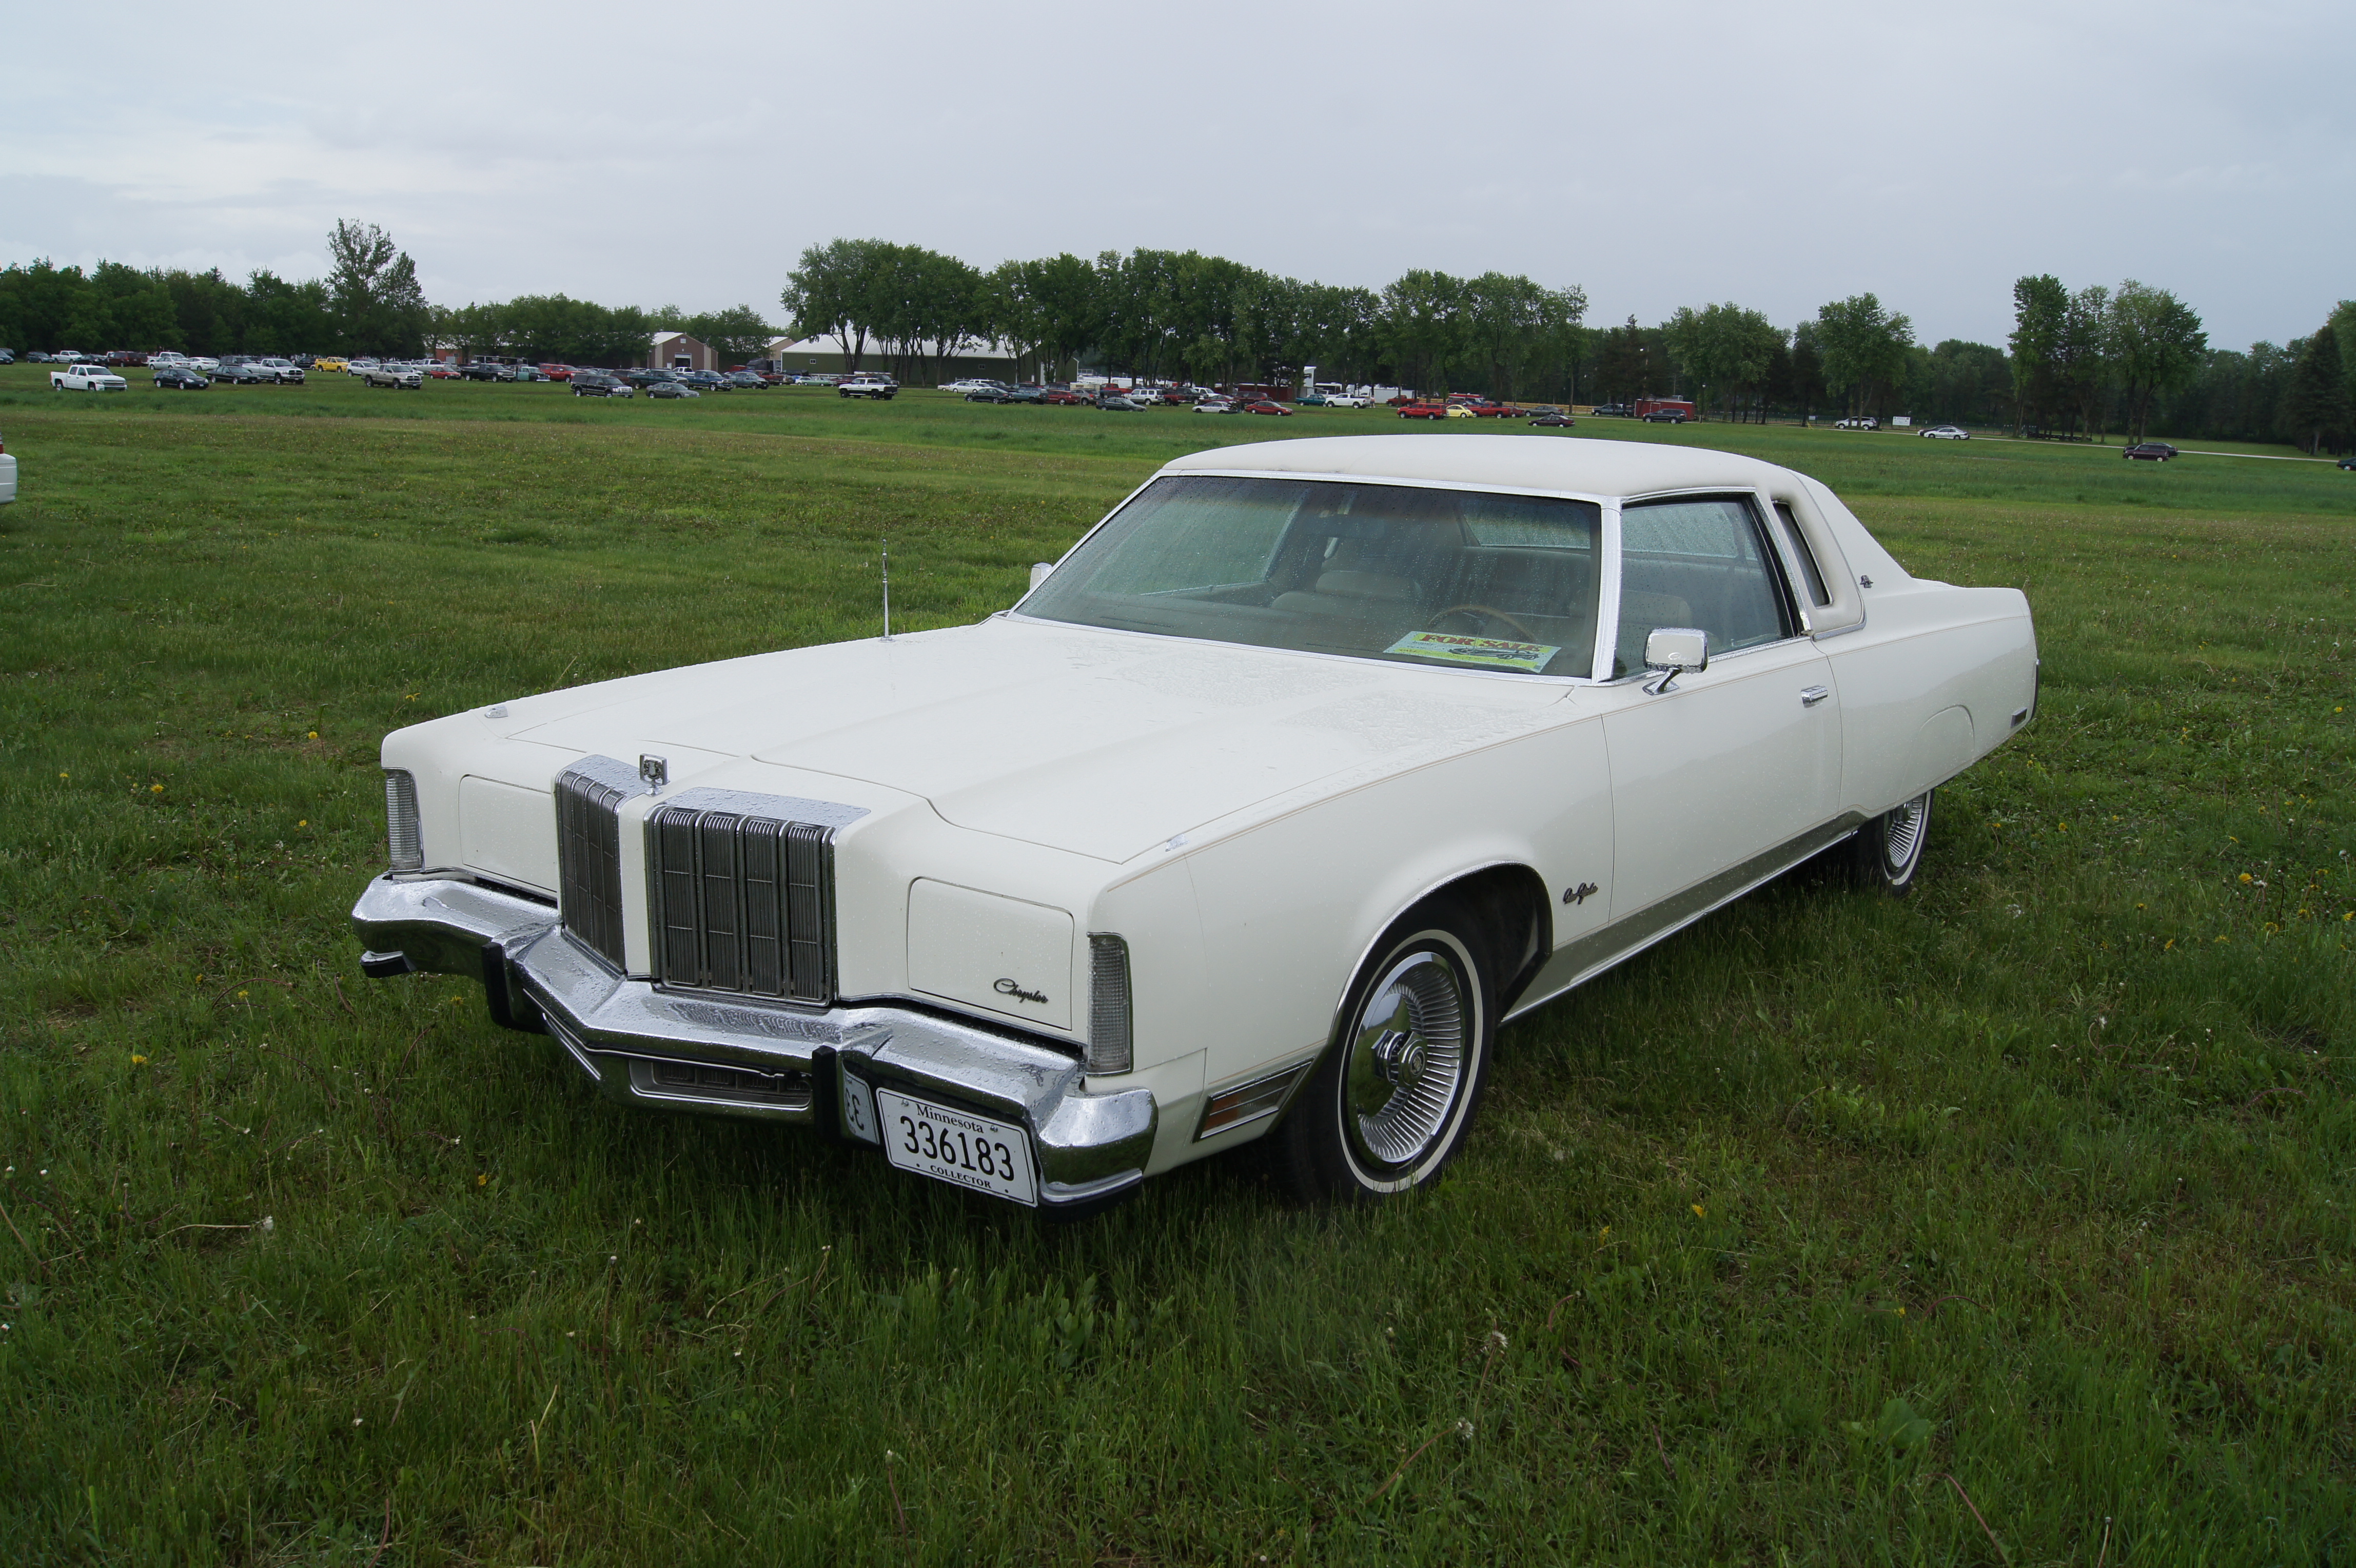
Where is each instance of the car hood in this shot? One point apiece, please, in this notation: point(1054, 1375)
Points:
point(1106, 744)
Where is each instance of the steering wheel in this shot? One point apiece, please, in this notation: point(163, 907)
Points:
point(1491, 612)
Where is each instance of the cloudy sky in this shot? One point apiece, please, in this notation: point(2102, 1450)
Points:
point(1775, 154)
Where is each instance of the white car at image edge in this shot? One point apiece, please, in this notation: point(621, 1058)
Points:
point(7, 474)
point(87, 378)
point(1946, 432)
point(1307, 769)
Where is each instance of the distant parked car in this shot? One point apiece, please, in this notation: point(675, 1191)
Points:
point(2149, 452)
point(1062, 395)
point(123, 359)
point(870, 384)
point(1666, 416)
point(672, 389)
point(745, 381)
point(239, 371)
point(1267, 405)
point(8, 476)
point(330, 362)
point(284, 372)
point(1346, 399)
point(402, 378)
point(1425, 409)
point(2347, 462)
point(1946, 432)
point(87, 378)
point(558, 372)
point(181, 377)
point(1119, 402)
point(597, 383)
point(1862, 422)
point(1555, 420)
point(36, 356)
point(7, 357)
point(968, 385)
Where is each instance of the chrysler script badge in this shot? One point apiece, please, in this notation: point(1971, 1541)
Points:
point(1008, 988)
point(1580, 894)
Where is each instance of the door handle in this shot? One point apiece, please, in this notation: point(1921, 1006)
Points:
point(1810, 695)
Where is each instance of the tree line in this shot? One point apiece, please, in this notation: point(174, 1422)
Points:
point(2083, 362)
point(369, 303)
point(1173, 314)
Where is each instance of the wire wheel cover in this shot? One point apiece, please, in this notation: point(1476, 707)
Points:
point(1902, 833)
point(1405, 1066)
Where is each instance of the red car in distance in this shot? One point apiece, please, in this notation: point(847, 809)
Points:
point(1263, 406)
point(557, 372)
point(1064, 395)
point(1423, 410)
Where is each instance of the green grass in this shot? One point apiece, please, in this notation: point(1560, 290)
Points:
point(1770, 1246)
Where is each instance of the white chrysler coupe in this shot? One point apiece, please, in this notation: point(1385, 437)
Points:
point(1309, 766)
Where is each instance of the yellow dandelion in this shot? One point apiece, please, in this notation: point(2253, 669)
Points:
point(481, 1180)
point(1600, 1235)
point(2170, 946)
point(138, 1060)
point(2245, 876)
point(303, 822)
point(155, 789)
point(313, 736)
point(241, 996)
point(1699, 1212)
point(65, 776)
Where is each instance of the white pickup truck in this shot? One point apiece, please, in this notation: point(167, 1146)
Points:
point(868, 384)
point(87, 378)
point(8, 475)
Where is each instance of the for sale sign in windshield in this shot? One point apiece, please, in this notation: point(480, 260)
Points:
point(1492, 652)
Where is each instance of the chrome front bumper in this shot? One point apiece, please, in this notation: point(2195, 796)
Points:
point(722, 1055)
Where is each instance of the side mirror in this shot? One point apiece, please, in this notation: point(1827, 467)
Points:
point(1672, 651)
point(1039, 570)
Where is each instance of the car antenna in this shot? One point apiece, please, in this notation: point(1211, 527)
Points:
point(887, 590)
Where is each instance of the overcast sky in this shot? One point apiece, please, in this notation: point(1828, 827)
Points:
point(1777, 155)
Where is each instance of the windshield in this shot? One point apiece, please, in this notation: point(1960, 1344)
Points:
point(1373, 571)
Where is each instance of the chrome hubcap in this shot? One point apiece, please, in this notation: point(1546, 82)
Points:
point(1406, 1064)
point(1903, 838)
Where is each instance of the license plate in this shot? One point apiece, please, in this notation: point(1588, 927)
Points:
point(949, 1145)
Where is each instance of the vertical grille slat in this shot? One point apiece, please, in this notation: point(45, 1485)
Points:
point(589, 797)
point(745, 899)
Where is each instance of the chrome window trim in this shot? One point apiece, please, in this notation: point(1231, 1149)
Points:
point(1778, 578)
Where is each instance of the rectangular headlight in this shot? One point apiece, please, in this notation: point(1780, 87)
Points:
point(402, 833)
point(1108, 1011)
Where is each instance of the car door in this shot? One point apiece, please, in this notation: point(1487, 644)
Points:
point(1730, 772)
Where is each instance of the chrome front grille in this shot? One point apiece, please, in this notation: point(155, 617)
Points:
point(742, 891)
point(589, 797)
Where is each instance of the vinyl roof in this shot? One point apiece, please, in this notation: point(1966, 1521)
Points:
point(1535, 462)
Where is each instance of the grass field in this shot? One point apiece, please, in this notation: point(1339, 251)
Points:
point(2010, 1223)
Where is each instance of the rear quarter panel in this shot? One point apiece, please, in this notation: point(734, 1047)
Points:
point(1928, 686)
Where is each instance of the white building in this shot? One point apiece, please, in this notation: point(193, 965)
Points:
point(797, 356)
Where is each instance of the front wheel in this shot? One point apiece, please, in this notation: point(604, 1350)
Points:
point(1394, 1098)
point(1887, 851)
